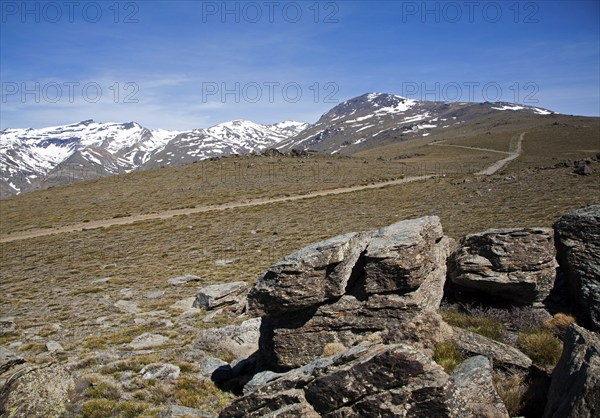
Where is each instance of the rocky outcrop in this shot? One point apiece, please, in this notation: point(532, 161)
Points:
point(344, 289)
point(575, 388)
point(517, 265)
point(374, 380)
point(578, 253)
point(36, 391)
point(350, 326)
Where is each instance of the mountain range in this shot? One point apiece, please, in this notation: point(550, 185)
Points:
point(39, 158)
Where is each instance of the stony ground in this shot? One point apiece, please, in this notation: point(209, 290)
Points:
point(95, 291)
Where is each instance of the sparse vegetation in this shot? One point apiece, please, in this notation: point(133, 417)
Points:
point(448, 355)
point(50, 283)
point(195, 393)
point(485, 326)
point(511, 388)
point(541, 346)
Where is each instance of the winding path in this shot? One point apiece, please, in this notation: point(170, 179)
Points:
point(103, 223)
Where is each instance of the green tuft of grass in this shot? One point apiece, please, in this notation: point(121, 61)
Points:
point(487, 327)
point(541, 346)
point(448, 355)
point(195, 393)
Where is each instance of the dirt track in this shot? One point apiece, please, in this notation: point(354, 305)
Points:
point(103, 223)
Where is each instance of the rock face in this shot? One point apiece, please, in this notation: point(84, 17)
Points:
point(575, 388)
point(340, 291)
point(232, 295)
point(36, 391)
point(474, 391)
point(578, 253)
point(308, 277)
point(375, 380)
point(515, 264)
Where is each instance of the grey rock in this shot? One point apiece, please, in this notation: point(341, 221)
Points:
point(352, 384)
point(7, 325)
point(239, 340)
point(160, 371)
point(299, 337)
point(185, 304)
point(399, 257)
point(175, 281)
point(177, 411)
point(308, 277)
point(219, 295)
point(476, 344)
point(54, 347)
point(127, 306)
point(36, 391)
point(474, 391)
point(209, 365)
point(515, 264)
point(148, 340)
point(154, 295)
point(578, 253)
point(575, 387)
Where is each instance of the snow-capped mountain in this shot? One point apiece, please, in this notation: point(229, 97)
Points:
point(235, 137)
point(33, 158)
point(375, 119)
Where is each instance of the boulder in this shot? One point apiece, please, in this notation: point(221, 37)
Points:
point(175, 281)
point(160, 371)
point(216, 296)
point(7, 325)
point(54, 347)
point(239, 340)
point(148, 340)
point(36, 391)
point(578, 253)
point(308, 277)
point(474, 390)
point(127, 306)
point(575, 387)
point(303, 333)
point(399, 257)
point(516, 265)
point(177, 411)
point(583, 167)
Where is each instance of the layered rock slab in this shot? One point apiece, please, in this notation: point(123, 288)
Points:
point(361, 283)
point(517, 265)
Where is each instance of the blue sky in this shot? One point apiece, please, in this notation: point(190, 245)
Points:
point(191, 64)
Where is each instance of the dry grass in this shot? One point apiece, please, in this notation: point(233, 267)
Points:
point(50, 284)
point(511, 388)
